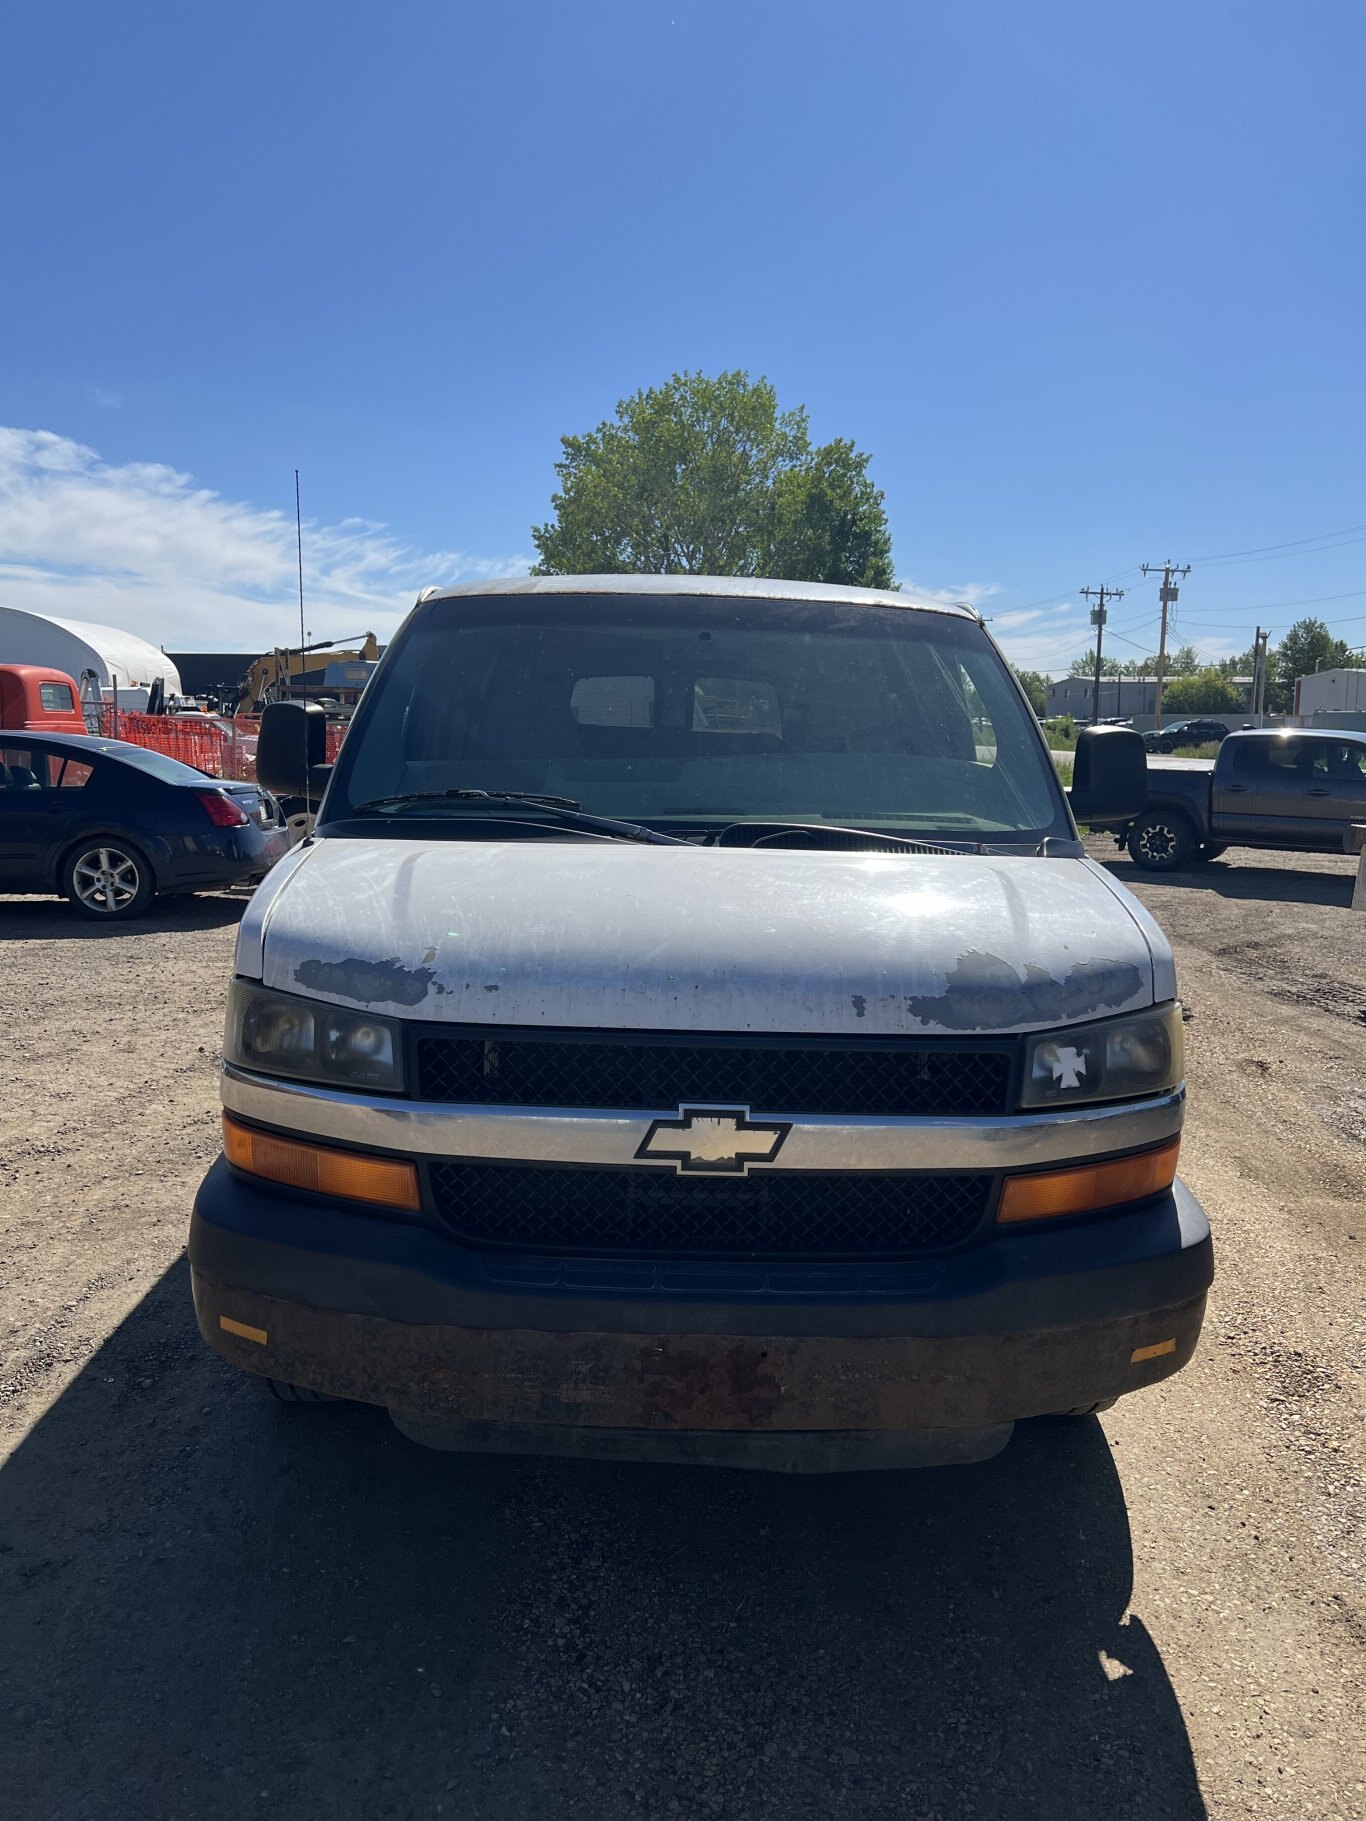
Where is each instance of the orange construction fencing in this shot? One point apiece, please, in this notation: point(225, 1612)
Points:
point(213, 743)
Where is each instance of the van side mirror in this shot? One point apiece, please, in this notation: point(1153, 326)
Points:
point(291, 753)
point(1109, 775)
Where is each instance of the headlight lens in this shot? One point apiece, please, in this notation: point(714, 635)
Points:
point(278, 1034)
point(1143, 1053)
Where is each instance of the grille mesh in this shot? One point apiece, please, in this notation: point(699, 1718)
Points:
point(654, 1211)
point(648, 1075)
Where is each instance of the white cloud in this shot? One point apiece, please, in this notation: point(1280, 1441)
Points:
point(138, 545)
point(971, 594)
point(1011, 622)
point(105, 398)
point(1043, 638)
point(1036, 638)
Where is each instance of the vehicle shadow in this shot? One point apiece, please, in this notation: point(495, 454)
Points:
point(1233, 879)
point(216, 1607)
point(53, 920)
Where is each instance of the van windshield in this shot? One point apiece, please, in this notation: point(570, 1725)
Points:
point(687, 710)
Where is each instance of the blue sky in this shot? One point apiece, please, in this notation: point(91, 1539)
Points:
point(1086, 280)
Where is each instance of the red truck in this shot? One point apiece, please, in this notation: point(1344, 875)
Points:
point(36, 700)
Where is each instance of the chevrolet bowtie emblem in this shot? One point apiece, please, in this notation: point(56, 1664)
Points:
point(713, 1141)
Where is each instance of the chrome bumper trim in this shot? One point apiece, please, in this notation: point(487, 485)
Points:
point(611, 1138)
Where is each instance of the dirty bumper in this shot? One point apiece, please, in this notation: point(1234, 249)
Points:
point(780, 1400)
point(756, 1381)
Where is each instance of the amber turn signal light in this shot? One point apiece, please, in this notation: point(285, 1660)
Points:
point(1088, 1186)
point(389, 1181)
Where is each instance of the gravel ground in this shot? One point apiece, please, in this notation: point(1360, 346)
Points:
point(211, 1608)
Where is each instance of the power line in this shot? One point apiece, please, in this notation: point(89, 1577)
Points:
point(1308, 600)
point(1222, 556)
point(1280, 556)
point(1345, 532)
point(1051, 599)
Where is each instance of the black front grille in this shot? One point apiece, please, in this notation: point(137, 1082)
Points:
point(778, 1214)
point(653, 1074)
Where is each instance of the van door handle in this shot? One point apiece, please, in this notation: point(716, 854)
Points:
point(1320, 790)
point(1236, 789)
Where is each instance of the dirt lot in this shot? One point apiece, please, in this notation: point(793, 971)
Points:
point(212, 1609)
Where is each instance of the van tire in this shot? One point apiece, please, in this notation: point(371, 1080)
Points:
point(1211, 850)
point(1162, 841)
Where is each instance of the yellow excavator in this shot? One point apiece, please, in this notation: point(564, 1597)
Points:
point(295, 675)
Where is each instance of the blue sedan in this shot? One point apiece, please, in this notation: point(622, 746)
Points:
point(110, 826)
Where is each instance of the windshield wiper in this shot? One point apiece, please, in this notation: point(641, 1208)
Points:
point(565, 811)
point(829, 834)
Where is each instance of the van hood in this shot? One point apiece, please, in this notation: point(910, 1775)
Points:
point(567, 934)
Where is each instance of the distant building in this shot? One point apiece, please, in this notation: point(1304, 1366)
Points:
point(213, 673)
point(1123, 696)
point(98, 658)
point(1126, 698)
point(1331, 692)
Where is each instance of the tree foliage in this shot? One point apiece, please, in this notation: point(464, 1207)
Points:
point(1035, 686)
point(1307, 647)
point(1204, 692)
point(706, 476)
point(1085, 666)
point(1184, 661)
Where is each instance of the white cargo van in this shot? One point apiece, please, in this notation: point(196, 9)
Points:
point(694, 1032)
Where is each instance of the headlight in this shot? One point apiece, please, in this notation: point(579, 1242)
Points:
point(278, 1034)
point(1143, 1053)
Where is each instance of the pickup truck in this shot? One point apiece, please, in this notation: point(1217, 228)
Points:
point(34, 699)
point(694, 1031)
point(1298, 787)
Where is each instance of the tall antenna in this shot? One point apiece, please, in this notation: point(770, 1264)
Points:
point(299, 534)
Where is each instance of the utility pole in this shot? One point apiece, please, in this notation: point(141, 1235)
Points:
point(1167, 597)
point(1098, 617)
point(1258, 704)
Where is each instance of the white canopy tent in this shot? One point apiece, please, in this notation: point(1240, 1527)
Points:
point(99, 658)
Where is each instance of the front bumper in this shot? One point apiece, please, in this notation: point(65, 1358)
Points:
point(762, 1363)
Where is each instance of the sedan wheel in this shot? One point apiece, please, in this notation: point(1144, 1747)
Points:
point(108, 881)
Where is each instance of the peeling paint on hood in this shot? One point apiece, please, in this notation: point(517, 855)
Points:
point(576, 935)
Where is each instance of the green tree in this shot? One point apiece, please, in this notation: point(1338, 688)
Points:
point(1241, 666)
point(1035, 686)
point(1086, 666)
point(1307, 647)
point(1185, 661)
point(707, 477)
point(1205, 692)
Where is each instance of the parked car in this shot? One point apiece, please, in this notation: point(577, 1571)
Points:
point(1185, 733)
point(110, 826)
point(790, 1094)
point(1295, 788)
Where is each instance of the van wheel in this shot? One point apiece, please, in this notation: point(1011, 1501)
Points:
point(1161, 840)
point(107, 879)
point(280, 1391)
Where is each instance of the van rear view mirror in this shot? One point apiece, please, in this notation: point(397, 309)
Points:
point(1109, 775)
point(291, 754)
